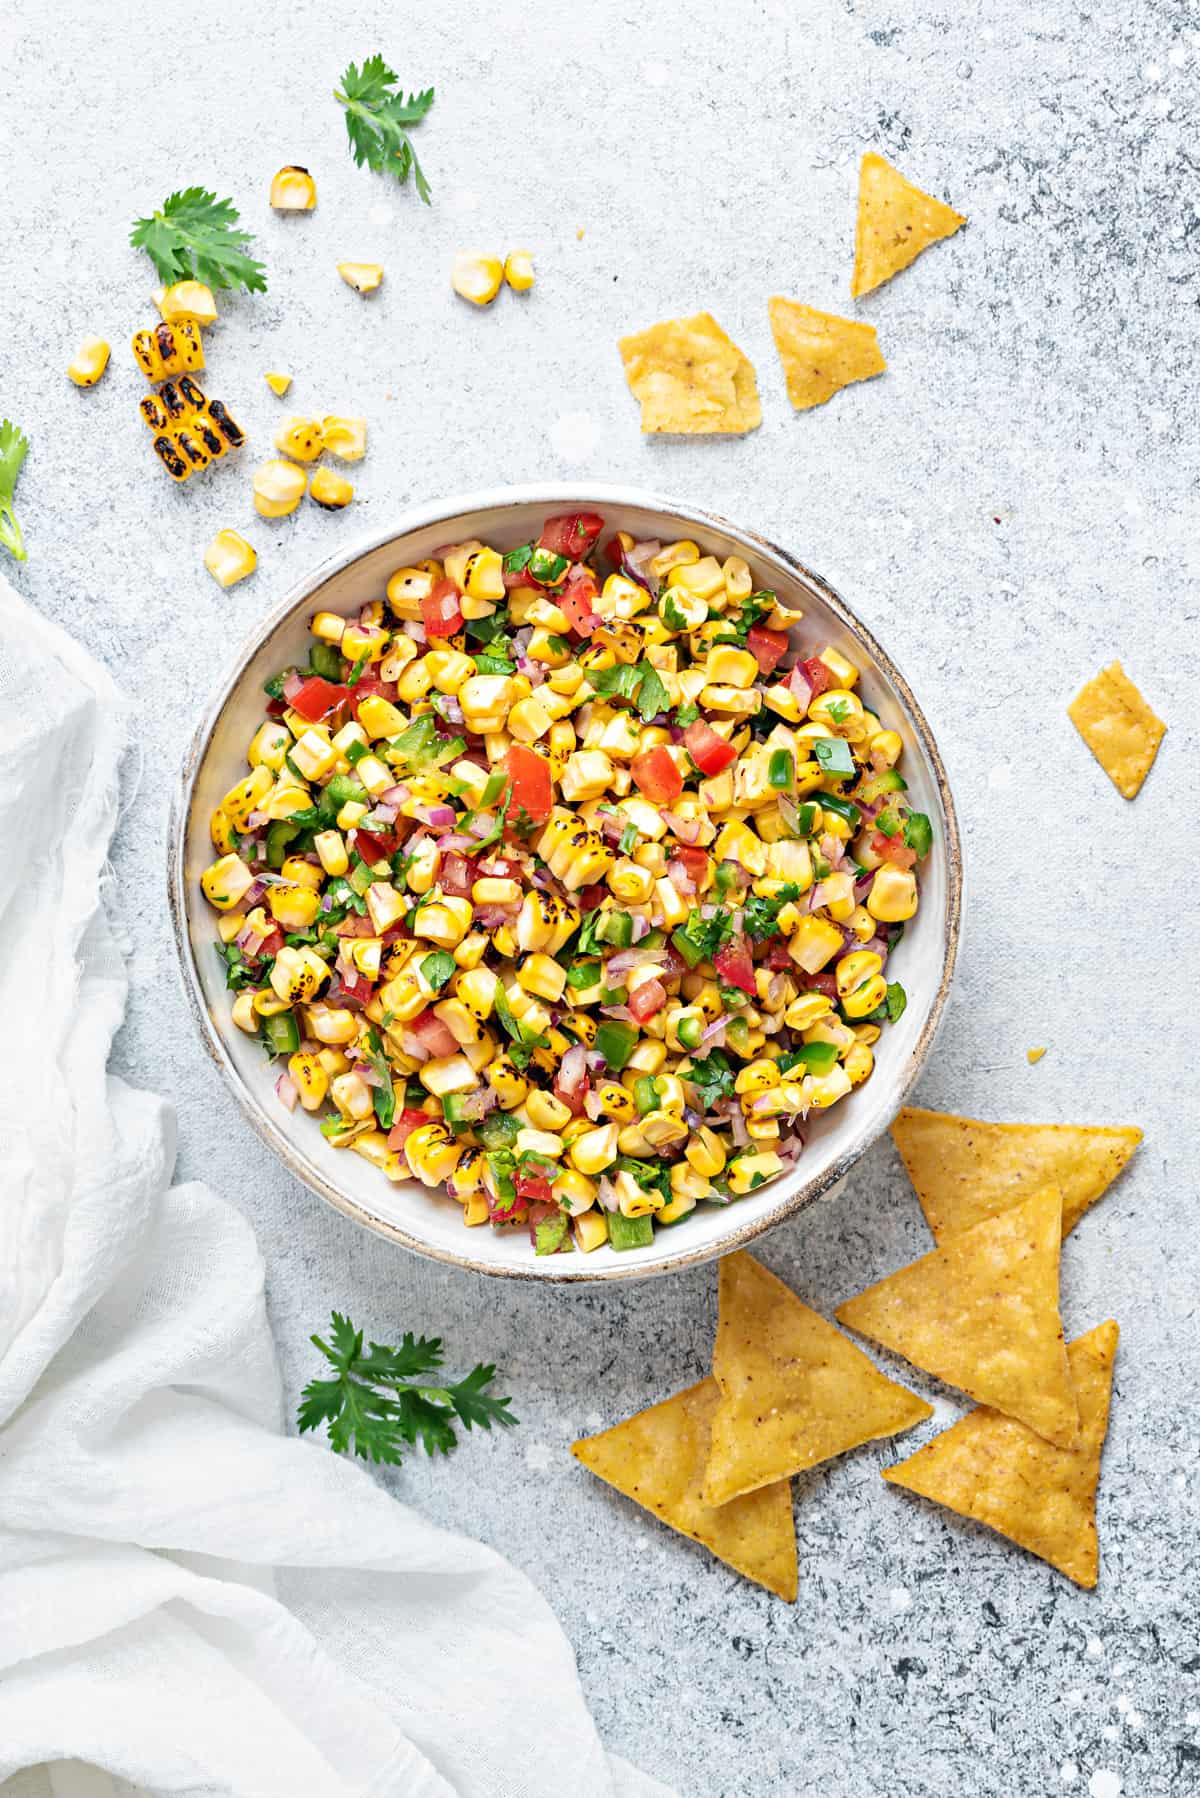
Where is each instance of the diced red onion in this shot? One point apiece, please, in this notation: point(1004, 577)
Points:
point(737, 1125)
point(491, 917)
point(681, 880)
point(573, 1071)
point(370, 1075)
point(412, 627)
point(413, 1045)
point(285, 1092)
point(686, 829)
point(606, 1196)
point(326, 902)
point(256, 820)
point(292, 684)
point(741, 877)
point(801, 686)
point(713, 1035)
point(876, 946)
point(473, 1106)
point(624, 959)
point(618, 1011)
point(380, 814)
point(641, 927)
point(833, 850)
point(595, 1061)
point(611, 825)
point(483, 825)
point(862, 887)
point(396, 795)
point(448, 706)
point(438, 817)
point(255, 891)
point(593, 1105)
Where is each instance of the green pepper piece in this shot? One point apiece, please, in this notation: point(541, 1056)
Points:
point(281, 1033)
point(918, 834)
point(616, 927)
point(781, 769)
point(342, 790)
point(629, 1232)
point(689, 950)
point(545, 567)
point(326, 661)
point(690, 1032)
point(834, 756)
point(279, 834)
point(833, 802)
point(500, 1130)
point(644, 1095)
point(615, 1041)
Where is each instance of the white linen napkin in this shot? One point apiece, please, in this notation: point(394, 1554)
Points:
point(190, 1601)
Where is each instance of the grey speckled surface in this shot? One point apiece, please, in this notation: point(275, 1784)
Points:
point(1012, 505)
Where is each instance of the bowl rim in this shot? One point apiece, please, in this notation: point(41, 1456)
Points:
point(419, 517)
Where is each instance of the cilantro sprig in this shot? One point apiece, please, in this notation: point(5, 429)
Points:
point(194, 237)
point(639, 682)
point(13, 448)
point(377, 121)
point(378, 1401)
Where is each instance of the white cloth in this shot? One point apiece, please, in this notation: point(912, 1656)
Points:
point(191, 1601)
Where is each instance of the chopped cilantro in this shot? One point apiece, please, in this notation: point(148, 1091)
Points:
point(713, 1078)
point(762, 914)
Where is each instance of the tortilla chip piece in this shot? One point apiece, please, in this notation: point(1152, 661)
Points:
point(964, 1170)
point(1118, 727)
point(993, 1469)
point(896, 221)
point(820, 352)
point(691, 378)
point(981, 1313)
point(657, 1458)
point(794, 1391)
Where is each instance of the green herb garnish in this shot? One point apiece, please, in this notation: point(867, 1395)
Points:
point(193, 237)
point(377, 121)
point(14, 446)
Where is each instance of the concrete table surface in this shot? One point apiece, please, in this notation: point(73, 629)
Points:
point(1010, 507)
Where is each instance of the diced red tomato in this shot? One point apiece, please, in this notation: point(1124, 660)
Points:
point(276, 708)
point(534, 1187)
point(374, 845)
point(655, 774)
point(441, 610)
point(893, 849)
point(571, 534)
point(503, 1211)
point(576, 600)
point(456, 876)
point(271, 944)
point(405, 1124)
point(820, 678)
point(588, 898)
point(433, 1034)
point(695, 862)
point(821, 983)
point(710, 752)
point(368, 685)
point(777, 957)
point(767, 647)
point(316, 698)
point(646, 999)
point(733, 964)
point(532, 787)
point(349, 989)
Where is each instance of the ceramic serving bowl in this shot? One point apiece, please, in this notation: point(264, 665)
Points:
point(408, 1213)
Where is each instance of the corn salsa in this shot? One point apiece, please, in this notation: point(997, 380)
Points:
point(563, 880)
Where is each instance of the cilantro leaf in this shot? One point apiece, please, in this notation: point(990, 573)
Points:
point(762, 915)
point(376, 1402)
point(653, 697)
point(13, 448)
point(384, 1096)
point(193, 237)
point(377, 117)
point(712, 1077)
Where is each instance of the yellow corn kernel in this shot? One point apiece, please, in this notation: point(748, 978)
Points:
point(468, 1175)
point(363, 642)
point(853, 969)
point(739, 583)
point(586, 776)
point(861, 923)
point(449, 669)
point(314, 755)
point(297, 974)
point(432, 1154)
point(89, 362)
point(590, 1230)
point(485, 700)
point(226, 881)
point(756, 1077)
point(735, 667)
point(293, 189)
point(885, 748)
point(823, 1090)
point(807, 1009)
point(594, 1150)
point(447, 1074)
point(783, 702)
point(762, 1129)
point(528, 720)
point(509, 1086)
point(286, 797)
point(476, 277)
point(518, 270)
point(269, 745)
point(737, 843)
point(363, 277)
point(220, 829)
point(815, 940)
point(751, 1171)
point(406, 589)
point(372, 1145)
point(278, 384)
point(548, 1112)
point(244, 1014)
point(702, 577)
point(278, 488)
point(616, 1101)
point(246, 796)
point(866, 998)
point(379, 718)
point(229, 558)
point(842, 711)
point(302, 873)
point(705, 1152)
point(845, 673)
point(634, 1200)
point(187, 300)
point(293, 907)
point(169, 350)
point(629, 883)
point(476, 988)
point(660, 1129)
point(893, 895)
point(346, 438)
point(375, 775)
point(310, 1080)
point(543, 977)
point(329, 490)
point(475, 1211)
point(859, 1063)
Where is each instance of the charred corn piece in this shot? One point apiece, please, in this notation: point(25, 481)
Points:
point(173, 402)
point(192, 449)
point(187, 300)
point(278, 489)
point(89, 362)
point(293, 189)
point(192, 394)
point(333, 491)
point(363, 277)
point(155, 413)
point(230, 431)
point(168, 350)
point(300, 438)
point(172, 459)
point(201, 426)
point(229, 558)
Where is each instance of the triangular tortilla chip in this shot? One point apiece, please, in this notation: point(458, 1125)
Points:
point(1118, 727)
point(896, 221)
point(820, 352)
point(993, 1469)
point(981, 1313)
point(657, 1458)
point(964, 1170)
point(794, 1390)
point(691, 378)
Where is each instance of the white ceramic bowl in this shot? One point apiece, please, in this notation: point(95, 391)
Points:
point(408, 1213)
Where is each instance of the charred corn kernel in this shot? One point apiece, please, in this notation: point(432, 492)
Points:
point(789, 860)
point(449, 669)
point(169, 350)
point(302, 873)
point(444, 922)
point(446, 1074)
point(293, 907)
point(861, 923)
point(544, 978)
point(278, 488)
point(471, 950)
point(586, 775)
point(293, 189)
point(309, 1079)
point(893, 895)
point(89, 362)
point(482, 575)
point(363, 642)
point(269, 745)
point(297, 974)
point(327, 627)
point(705, 1152)
point(245, 797)
point(856, 968)
point(865, 998)
point(226, 881)
point(634, 1200)
point(590, 1230)
point(813, 943)
point(669, 908)
point(823, 1090)
point(842, 711)
point(548, 1112)
point(858, 1064)
point(363, 277)
point(314, 755)
point(756, 1077)
point(366, 953)
point(229, 558)
point(734, 667)
point(629, 883)
point(187, 300)
point(736, 575)
point(491, 890)
point(528, 720)
point(661, 1129)
point(278, 384)
point(285, 799)
point(379, 718)
point(415, 681)
point(372, 1145)
point(485, 700)
point(594, 1150)
point(475, 1211)
point(345, 438)
point(518, 270)
point(736, 843)
point(459, 1020)
point(702, 576)
point(750, 1171)
point(845, 673)
point(476, 277)
point(884, 748)
point(616, 1102)
point(385, 906)
point(808, 1009)
point(432, 1154)
point(509, 1086)
point(468, 1175)
point(300, 438)
point(783, 702)
point(375, 775)
point(244, 1015)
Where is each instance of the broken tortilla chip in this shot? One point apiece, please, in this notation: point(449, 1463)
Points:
point(691, 378)
point(981, 1313)
point(964, 1170)
point(993, 1469)
point(657, 1458)
point(820, 352)
point(896, 221)
point(1118, 727)
point(794, 1391)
